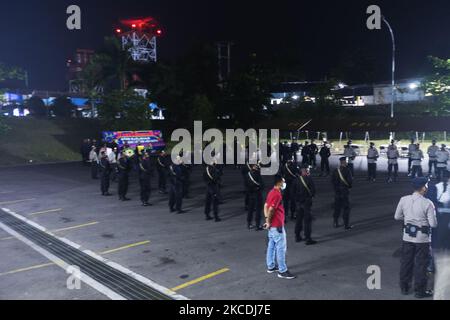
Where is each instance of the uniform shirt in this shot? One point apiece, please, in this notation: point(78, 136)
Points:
point(342, 186)
point(411, 148)
point(432, 150)
point(93, 157)
point(305, 193)
point(350, 153)
point(325, 152)
point(254, 181)
point(372, 155)
point(416, 157)
point(442, 157)
point(393, 155)
point(418, 211)
point(275, 200)
point(443, 197)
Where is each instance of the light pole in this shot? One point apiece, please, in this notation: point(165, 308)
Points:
point(393, 64)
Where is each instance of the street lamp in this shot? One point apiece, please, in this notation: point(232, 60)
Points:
point(393, 64)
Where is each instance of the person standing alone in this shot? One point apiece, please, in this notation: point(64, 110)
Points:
point(277, 244)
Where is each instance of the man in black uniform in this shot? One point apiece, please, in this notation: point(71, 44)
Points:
point(212, 179)
point(294, 149)
point(124, 168)
point(255, 187)
point(162, 165)
point(176, 186)
point(244, 171)
point(342, 181)
point(105, 171)
point(290, 171)
point(305, 193)
point(325, 154)
point(305, 154)
point(285, 153)
point(313, 151)
point(145, 172)
point(187, 170)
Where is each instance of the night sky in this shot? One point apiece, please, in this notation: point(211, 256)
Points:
point(34, 35)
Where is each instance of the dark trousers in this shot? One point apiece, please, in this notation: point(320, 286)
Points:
point(313, 160)
point(304, 219)
point(342, 204)
point(186, 185)
point(104, 186)
point(325, 165)
point(145, 185)
point(255, 207)
point(94, 170)
point(351, 167)
point(123, 185)
point(432, 164)
point(113, 172)
point(212, 199)
point(162, 180)
point(289, 199)
point(440, 173)
point(305, 160)
point(176, 196)
point(372, 170)
point(393, 168)
point(416, 171)
point(414, 262)
point(409, 165)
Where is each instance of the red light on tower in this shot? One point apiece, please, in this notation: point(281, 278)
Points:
point(133, 26)
point(118, 30)
point(159, 32)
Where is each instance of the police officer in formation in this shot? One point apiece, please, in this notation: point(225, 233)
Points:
point(416, 156)
point(419, 217)
point(176, 178)
point(305, 192)
point(342, 180)
point(290, 172)
point(432, 154)
point(411, 148)
point(393, 155)
point(212, 178)
point(162, 164)
point(285, 153)
point(325, 154)
point(305, 154)
point(295, 148)
point(105, 172)
point(442, 157)
point(255, 186)
point(313, 151)
point(351, 155)
point(145, 173)
point(124, 167)
point(372, 158)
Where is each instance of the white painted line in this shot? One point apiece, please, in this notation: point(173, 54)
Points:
point(83, 277)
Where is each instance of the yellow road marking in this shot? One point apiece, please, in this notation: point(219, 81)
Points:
point(75, 227)
point(195, 281)
point(40, 266)
point(46, 211)
point(126, 247)
point(15, 201)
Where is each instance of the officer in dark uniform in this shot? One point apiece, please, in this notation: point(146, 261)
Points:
point(294, 149)
point(305, 154)
point(145, 172)
point(176, 186)
point(285, 153)
point(162, 164)
point(325, 154)
point(244, 171)
point(124, 167)
point(290, 172)
point(313, 151)
point(105, 171)
point(187, 170)
point(212, 179)
point(342, 181)
point(305, 193)
point(255, 187)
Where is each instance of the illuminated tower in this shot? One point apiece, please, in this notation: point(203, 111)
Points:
point(139, 38)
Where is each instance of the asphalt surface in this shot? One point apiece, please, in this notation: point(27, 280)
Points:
point(197, 258)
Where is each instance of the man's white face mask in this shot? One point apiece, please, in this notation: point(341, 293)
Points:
point(284, 186)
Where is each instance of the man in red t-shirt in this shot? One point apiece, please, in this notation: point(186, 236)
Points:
point(277, 246)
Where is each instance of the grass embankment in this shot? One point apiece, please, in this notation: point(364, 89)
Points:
point(35, 141)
